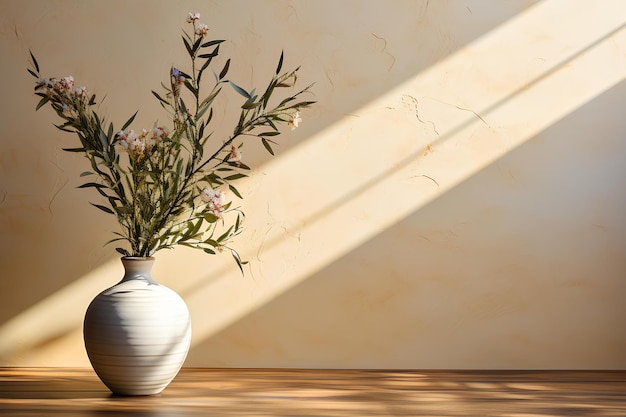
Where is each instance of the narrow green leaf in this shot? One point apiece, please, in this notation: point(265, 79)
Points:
point(267, 146)
point(103, 208)
point(250, 105)
point(161, 99)
point(207, 62)
point(280, 63)
point(92, 184)
point(208, 58)
point(225, 71)
point(104, 138)
point(211, 242)
point(237, 259)
point(191, 88)
point(303, 104)
point(188, 46)
point(271, 124)
point(72, 149)
point(240, 90)
point(130, 120)
point(86, 173)
point(268, 92)
point(117, 239)
point(211, 97)
point(201, 128)
point(123, 210)
point(41, 103)
point(225, 234)
point(210, 217)
point(196, 45)
point(34, 60)
point(200, 113)
point(235, 177)
point(234, 191)
point(123, 251)
point(211, 43)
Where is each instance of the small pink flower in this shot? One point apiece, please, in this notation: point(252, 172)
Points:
point(148, 140)
point(235, 155)
point(295, 121)
point(64, 84)
point(81, 92)
point(131, 142)
point(136, 146)
point(214, 200)
point(202, 30)
point(160, 132)
point(192, 17)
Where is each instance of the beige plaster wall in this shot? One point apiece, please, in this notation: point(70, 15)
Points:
point(455, 200)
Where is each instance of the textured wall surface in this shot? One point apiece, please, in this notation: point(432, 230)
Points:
point(455, 199)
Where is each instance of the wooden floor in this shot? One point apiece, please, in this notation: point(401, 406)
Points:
point(244, 392)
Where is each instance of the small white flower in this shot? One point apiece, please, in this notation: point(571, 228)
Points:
point(129, 135)
point(147, 138)
point(131, 142)
point(202, 30)
point(191, 17)
point(81, 92)
point(46, 85)
point(45, 82)
point(160, 132)
point(295, 121)
point(136, 146)
point(214, 201)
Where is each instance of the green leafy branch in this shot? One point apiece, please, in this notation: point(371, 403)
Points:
point(163, 187)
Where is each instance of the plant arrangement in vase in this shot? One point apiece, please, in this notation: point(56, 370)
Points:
point(167, 185)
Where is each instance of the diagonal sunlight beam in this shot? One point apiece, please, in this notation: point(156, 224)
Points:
point(350, 208)
point(46, 328)
point(360, 176)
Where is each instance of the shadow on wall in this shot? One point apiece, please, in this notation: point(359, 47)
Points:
point(524, 262)
point(344, 67)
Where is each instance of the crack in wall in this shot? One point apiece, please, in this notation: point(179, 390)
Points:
point(385, 50)
point(412, 103)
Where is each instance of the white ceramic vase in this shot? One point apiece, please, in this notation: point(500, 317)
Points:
point(137, 333)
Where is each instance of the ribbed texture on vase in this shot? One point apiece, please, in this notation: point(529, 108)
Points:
point(137, 335)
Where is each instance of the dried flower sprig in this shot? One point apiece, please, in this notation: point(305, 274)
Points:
point(161, 184)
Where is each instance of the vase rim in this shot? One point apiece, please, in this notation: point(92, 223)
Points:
point(138, 258)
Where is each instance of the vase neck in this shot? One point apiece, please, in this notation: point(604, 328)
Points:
point(138, 268)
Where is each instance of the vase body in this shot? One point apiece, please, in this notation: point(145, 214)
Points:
point(137, 333)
